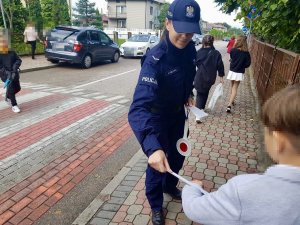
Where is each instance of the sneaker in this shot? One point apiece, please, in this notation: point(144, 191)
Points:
point(198, 120)
point(228, 109)
point(15, 109)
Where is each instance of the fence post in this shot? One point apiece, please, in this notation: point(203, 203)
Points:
point(296, 64)
point(271, 68)
point(116, 37)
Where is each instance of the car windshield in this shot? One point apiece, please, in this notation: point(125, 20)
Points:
point(139, 38)
point(63, 35)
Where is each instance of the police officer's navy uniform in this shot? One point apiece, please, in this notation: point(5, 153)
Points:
point(157, 113)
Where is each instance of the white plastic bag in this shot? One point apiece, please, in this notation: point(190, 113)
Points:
point(218, 92)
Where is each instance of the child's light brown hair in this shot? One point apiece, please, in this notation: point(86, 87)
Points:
point(281, 112)
point(241, 43)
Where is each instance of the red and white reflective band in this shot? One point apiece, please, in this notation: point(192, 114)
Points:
point(183, 145)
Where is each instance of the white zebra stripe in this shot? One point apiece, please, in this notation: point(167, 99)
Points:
point(26, 98)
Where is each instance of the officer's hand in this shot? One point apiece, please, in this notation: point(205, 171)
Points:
point(190, 101)
point(159, 161)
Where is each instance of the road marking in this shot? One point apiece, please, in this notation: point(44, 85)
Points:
point(26, 98)
point(55, 108)
point(34, 155)
point(100, 97)
point(114, 98)
point(124, 101)
point(96, 81)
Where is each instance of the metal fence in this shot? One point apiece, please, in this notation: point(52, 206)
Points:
point(273, 68)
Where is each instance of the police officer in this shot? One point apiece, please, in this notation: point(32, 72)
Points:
point(157, 112)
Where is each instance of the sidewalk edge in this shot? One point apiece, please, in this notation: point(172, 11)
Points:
point(93, 207)
point(38, 68)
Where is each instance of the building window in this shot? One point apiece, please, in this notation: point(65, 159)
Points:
point(150, 24)
point(121, 9)
point(118, 1)
point(151, 10)
point(121, 23)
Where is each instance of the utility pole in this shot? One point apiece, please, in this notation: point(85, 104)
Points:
point(70, 7)
point(3, 16)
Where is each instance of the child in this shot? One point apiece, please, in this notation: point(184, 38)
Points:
point(239, 60)
point(230, 44)
point(209, 63)
point(271, 198)
point(9, 66)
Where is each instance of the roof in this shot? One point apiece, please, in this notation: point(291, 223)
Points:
point(74, 28)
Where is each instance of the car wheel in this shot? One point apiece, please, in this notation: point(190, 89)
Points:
point(86, 62)
point(55, 61)
point(116, 57)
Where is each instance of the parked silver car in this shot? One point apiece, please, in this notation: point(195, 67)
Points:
point(197, 38)
point(138, 45)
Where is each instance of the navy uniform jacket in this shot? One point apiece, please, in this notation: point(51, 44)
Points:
point(164, 86)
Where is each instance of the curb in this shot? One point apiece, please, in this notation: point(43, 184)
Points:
point(38, 68)
point(263, 158)
point(104, 195)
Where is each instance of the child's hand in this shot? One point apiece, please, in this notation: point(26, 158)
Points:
point(198, 182)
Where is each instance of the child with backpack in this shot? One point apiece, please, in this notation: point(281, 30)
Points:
point(209, 63)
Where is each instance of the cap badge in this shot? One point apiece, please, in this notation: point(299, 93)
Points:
point(170, 14)
point(190, 11)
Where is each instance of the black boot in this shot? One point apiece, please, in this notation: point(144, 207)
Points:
point(158, 217)
point(175, 193)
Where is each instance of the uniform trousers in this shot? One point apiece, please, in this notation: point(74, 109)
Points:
point(171, 129)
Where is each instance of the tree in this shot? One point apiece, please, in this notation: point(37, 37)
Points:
point(47, 13)
point(61, 12)
point(86, 13)
point(55, 12)
point(278, 23)
point(98, 20)
point(163, 15)
point(15, 15)
point(226, 25)
point(35, 13)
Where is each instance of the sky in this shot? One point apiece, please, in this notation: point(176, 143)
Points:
point(209, 12)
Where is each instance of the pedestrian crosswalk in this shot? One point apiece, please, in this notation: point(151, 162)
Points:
point(58, 139)
point(119, 99)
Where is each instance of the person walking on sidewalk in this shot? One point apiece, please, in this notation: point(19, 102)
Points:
point(239, 60)
point(157, 113)
point(230, 44)
point(259, 198)
point(209, 62)
point(10, 63)
point(30, 37)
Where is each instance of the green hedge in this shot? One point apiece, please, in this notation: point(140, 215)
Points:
point(25, 49)
point(18, 45)
point(121, 41)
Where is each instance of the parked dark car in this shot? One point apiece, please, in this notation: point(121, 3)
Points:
point(81, 45)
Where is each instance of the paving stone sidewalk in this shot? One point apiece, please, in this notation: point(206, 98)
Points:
point(39, 63)
point(225, 145)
